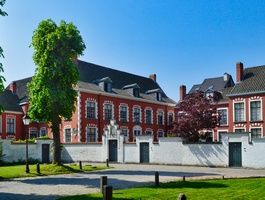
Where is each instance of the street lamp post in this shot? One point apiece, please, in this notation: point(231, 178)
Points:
point(26, 121)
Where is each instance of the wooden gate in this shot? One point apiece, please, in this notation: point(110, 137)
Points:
point(144, 152)
point(113, 151)
point(235, 154)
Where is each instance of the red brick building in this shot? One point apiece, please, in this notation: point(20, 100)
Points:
point(241, 104)
point(138, 104)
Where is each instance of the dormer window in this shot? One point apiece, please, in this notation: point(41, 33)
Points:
point(209, 92)
point(133, 89)
point(156, 93)
point(105, 84)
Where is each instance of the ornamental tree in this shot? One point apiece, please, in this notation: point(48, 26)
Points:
point(51, 93)
point(2, 79)
point(196, 112)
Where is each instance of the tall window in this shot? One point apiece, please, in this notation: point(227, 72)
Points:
point(10, 125)
point(239, 112)
point(107, 111)
point(160, 118)
point(170, 118)
point(91, 134)
point(67, 136)
point(91, 110)
point(148, 117)
point(255, 111)
point(136, 115)
point(223, 117)
point(256, 132)
point(123, 114)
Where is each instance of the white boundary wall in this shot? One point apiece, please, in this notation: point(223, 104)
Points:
point(171, 151)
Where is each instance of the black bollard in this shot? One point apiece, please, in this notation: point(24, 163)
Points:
point(107, 162)
point(80, 164)
point(157, 179)
point(184, 178)
point(38, 168)
point(107, 192)
point(103, 182)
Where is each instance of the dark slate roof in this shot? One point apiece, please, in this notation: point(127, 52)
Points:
point(90, 72)
point(10, 101)
point(222, 94)
point(22, 89)
point(214, 84)
point(253, 81)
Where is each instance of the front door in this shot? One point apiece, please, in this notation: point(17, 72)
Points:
point(144, 152)
point(113, 151)
point(235, 154)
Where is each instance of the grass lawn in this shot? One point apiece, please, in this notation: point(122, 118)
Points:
point(252, 188)
point(17, 171)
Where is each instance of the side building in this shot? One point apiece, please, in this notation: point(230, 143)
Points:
point(138, 105)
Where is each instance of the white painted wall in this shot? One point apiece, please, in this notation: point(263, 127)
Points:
point(165, 151)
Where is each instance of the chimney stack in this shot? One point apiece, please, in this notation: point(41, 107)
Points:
point(153, 76)
point(13, 87)
point(182, 92)
point(239, 71)
point(226, 76)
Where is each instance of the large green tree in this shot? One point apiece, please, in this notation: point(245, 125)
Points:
point(2, 79)
point(51, 92)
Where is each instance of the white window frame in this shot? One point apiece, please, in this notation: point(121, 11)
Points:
point(244, 112)
point(14, 118)
point(251, 101)
point(139, 132)
point(65, 136)
point(140, 114)
point(112, 110)
point(219, 139)
point(261, 132)
point(96, 133)
point(160, 131)
point(35, 133)
point(151, 117)
point(160, 111)
point(96, 109)
point(43, 129)
point(227, 120)
point(127, 113)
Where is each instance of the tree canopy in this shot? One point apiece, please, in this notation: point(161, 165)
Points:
point(51, 92)
point(195, 113)
point(2, 79)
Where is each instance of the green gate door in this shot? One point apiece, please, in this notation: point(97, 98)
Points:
point(45, 153)
point(113, 151)
point(235, 154)
point(144, 152)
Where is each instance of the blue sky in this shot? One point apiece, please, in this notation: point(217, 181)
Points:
point(181, 41)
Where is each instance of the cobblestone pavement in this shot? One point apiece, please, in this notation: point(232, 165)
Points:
point(122, 176)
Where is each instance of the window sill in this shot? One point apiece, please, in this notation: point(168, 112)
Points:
point(240, 122)
point(257, 121)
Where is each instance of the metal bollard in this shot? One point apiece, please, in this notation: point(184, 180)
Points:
point(184, 178)
point(107, 192)
point(107, 162)
point(103, 182)
point(80, 164)
point(156, 178)
point(38, 168)
point(182, 197)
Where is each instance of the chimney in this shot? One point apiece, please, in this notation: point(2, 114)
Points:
point(153, 76)
point(226, 75)
point(13, 87)
point(182, 92)
point(239, 71)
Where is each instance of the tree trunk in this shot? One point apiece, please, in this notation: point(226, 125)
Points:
point(56, 141)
